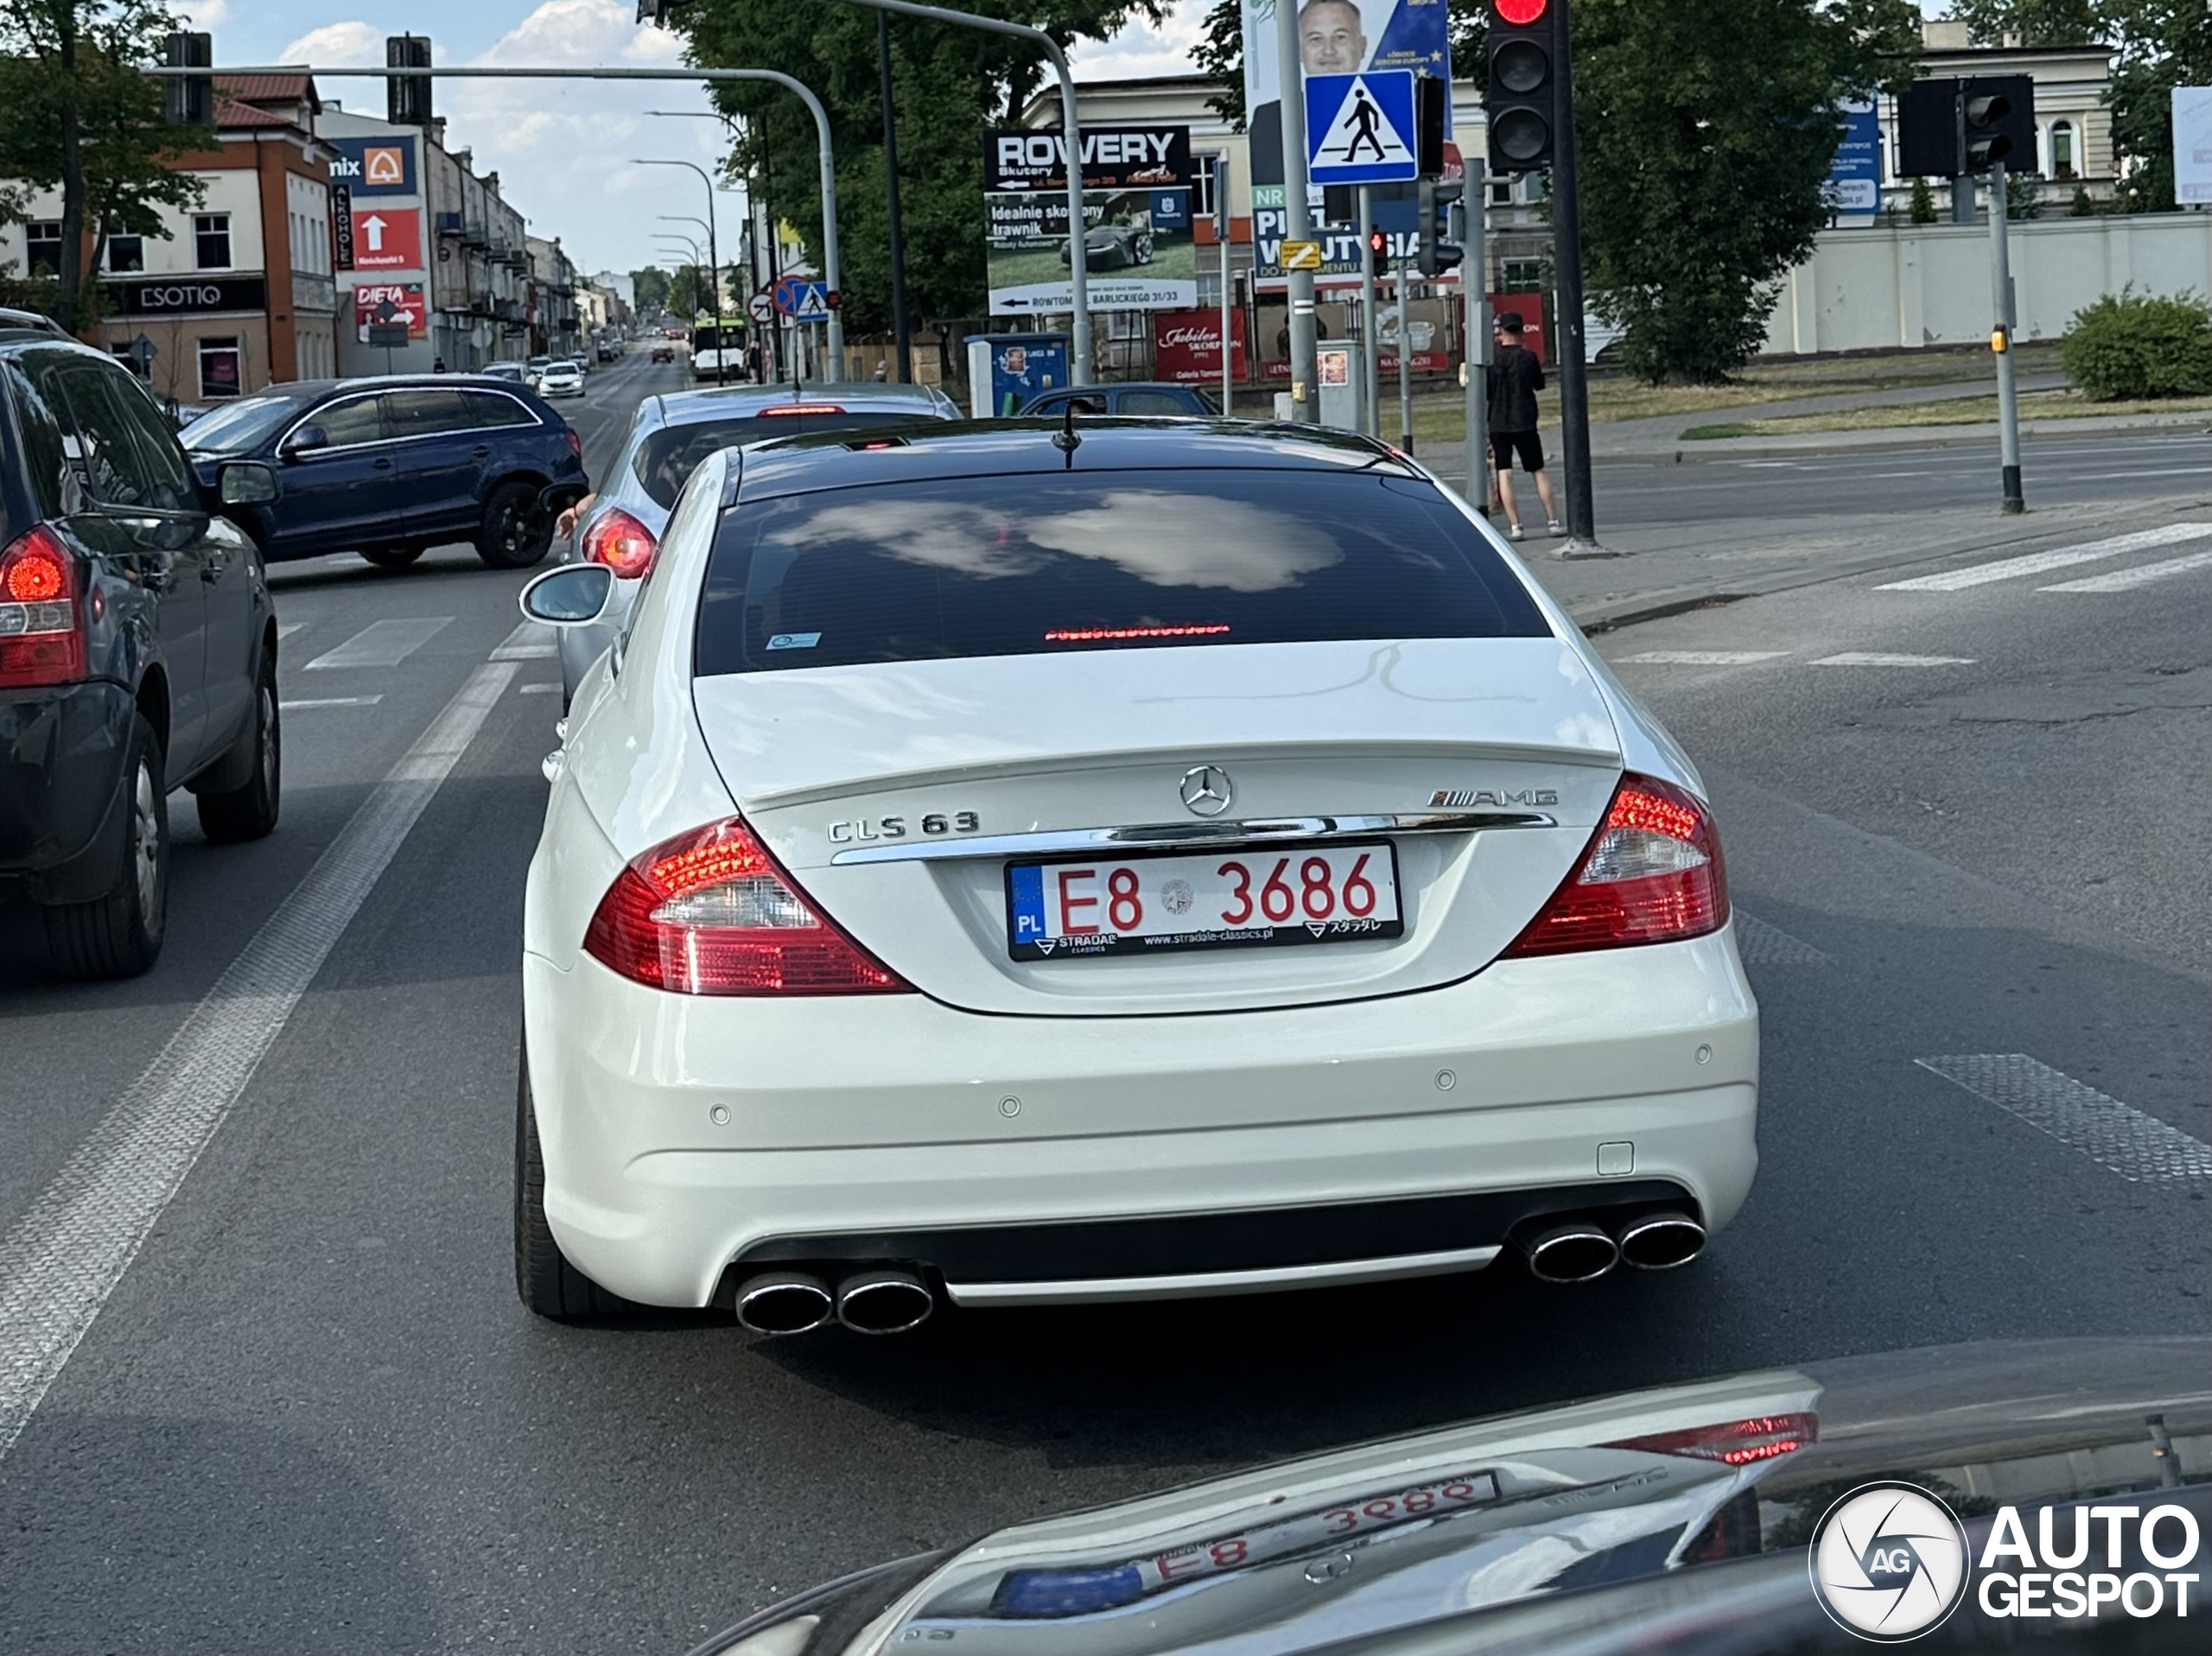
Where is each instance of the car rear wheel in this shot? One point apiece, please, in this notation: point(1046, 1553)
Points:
point(548, 1284)
point(118, 933)
point(515, 533)
point(391, 557)
point(250, 812)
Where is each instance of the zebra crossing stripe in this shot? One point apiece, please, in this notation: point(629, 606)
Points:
point(2037, 563)
point(2135, 1145)
point(2126, 580)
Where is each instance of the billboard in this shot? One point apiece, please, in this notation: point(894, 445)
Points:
point(408, 308)
point(1335, 37)
point(373, 166)
point(1187, 345)
point(1855, 186)
point(388, 238)
point(2192, 144)
point(1136, 203)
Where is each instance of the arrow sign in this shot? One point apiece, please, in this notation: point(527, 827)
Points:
point(372, 228)
point(1357, 127)
point(761, 308)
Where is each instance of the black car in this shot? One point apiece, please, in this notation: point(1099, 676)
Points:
point(389, 466)
point(137, 651)
point(1132, 396)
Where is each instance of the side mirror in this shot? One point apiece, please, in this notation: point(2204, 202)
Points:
point(246, 483)
point(308, 438)
point(573, 595)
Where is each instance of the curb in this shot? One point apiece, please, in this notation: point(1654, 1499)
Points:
point(1891, 439)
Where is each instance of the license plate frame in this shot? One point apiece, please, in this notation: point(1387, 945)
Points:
point(1296, 931)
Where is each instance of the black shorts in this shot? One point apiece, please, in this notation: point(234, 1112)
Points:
point(1504, 445)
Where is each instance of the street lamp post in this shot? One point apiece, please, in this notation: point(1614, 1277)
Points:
point(713, 254)
point(1078, 267)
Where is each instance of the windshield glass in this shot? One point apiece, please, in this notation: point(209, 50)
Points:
point(667, 458)
point(237, 427)
point(1027, 565)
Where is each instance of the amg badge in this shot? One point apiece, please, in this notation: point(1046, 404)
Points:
point(1498, 796)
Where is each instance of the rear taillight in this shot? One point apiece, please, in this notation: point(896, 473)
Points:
point(575, 442)
point(801, 409)
point(1733, 1443)
point(710, 913)
point(621, 542)
point(1651, 875)
point(42, 638)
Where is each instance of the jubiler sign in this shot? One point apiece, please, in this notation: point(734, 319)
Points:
point(1137, 247)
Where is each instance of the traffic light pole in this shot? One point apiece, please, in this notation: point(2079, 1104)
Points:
point(1474, 276)
point(2000, 342)
point(1305, 364)
point(901, 341)
point(1567, 258)
point(1370, 330)
point(1406, 349)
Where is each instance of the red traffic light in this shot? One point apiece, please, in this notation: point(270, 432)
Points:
point(1520, 13)
point(1377, 243)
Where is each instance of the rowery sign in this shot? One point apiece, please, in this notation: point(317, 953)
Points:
point(1114, 158)
point(1137, 247)
point(187, 296)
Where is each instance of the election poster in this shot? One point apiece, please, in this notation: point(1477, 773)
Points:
point(1136, 200)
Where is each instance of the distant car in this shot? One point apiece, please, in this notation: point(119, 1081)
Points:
point(664, 350)
point(389, 466)
point(560, 379)
point(513, 372)
point(605, 352)
point(183, 413)
point(1109, 247)
point(669, 438)
point(534, 367)
point(1137, 396)
point(137, 651)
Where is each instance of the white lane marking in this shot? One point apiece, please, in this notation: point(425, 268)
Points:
point(1761, 944)
point(330, 702)
point(540, 689)
point(2163, 471)
point(1877, 658)
point(382, 643)
point(60, 1261)
point(530, 641)
point(2133, 1144)
point(1705, 658)
point(287, 630)
point(2126, 580)
point(2035, 563)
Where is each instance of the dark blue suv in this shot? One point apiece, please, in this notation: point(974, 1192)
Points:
point(389, 466)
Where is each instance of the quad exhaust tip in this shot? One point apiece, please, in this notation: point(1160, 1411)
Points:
point(1661, 1240)
point(784, 1302)
point(1576, 1251)
point(884, 1302)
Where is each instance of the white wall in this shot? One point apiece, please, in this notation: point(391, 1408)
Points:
point(1928, 284)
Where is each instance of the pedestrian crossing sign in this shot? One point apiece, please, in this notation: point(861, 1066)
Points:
point(1359, 128)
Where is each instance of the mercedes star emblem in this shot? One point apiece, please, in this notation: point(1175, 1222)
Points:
point(1207, 790)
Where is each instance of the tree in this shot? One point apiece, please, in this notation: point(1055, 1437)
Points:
point(650, 286)
point(76, 114)
point(2083, 206)
point(2163, 44)
point(1707, 129)
point(2022, 196)
point(953, 83)
point(2038, 23)
point(1924, 202)
point(687, 290)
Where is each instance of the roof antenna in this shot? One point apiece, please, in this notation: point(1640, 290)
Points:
point(1064, 439)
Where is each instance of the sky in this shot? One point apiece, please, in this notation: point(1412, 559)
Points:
point(562, 149)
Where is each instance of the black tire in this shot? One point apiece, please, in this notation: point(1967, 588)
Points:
point(548, 1283)
point(517, 533)
point(391, 557)
point(118, 933)
point(250, 812)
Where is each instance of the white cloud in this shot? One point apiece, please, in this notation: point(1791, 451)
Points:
point(1143, 49)
point(340, 45)
point(207, 13)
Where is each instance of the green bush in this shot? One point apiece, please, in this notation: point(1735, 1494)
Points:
point(2130, 345)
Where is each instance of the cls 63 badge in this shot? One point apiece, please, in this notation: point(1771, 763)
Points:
point(862, 829)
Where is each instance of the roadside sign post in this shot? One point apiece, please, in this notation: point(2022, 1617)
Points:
point(1566, 245)
point(1298, 219)
point(1369, 323)
point(2000, 343)
point(1406, 348)
point(1474, 358)
point(1221, 228)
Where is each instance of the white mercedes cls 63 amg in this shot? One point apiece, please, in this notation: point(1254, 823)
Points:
point(1034, 863)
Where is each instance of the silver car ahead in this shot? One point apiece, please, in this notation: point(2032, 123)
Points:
point(669, 437)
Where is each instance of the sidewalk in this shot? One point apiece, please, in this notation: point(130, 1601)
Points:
point(1661, 434)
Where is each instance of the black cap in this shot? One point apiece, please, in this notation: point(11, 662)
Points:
point(1509, 321)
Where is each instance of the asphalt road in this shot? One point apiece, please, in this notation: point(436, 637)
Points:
point(311, 1415)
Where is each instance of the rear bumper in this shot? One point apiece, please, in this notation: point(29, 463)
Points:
point(1043, 1150)
point(62, 753)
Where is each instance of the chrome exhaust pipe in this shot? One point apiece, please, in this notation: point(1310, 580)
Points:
point(1661, 1240)
point(883, 1302)
point(1576, 1251)
point(784, 1302)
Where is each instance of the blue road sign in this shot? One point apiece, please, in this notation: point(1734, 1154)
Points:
point(803, 301)
point(1359, 129)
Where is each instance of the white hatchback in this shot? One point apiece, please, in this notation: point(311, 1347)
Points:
point(1019, 864)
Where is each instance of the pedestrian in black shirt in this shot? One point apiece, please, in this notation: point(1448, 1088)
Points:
point(1516, 377)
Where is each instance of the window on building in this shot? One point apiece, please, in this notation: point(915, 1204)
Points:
point(1202, 190)
point(210, 241)
point(1524, 275)
point(221, 362)
point(126, 253)
point(2062, 163)
point(43, 243)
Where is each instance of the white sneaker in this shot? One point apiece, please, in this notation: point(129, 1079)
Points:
point(1517, 532)
point(1555, 528)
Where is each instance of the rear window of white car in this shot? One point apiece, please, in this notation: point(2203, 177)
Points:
point(1114, 560)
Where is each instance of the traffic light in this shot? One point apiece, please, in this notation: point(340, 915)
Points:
point(1378, 243)
point(407, 98)
point(1996, 121)
point(1431, 100)
point(1521, 93)
point(189, 101)
point(1434, 252)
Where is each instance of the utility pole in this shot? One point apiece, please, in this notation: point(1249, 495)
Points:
point(1222, 223)
point(1406, 349)
point(1566, 245)
point(1474, 276)
point(2000, 341)
point(902, 342)
point(1370, 343)
point(1305, 366)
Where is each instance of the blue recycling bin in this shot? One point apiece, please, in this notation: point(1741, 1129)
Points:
point(1006, 369)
